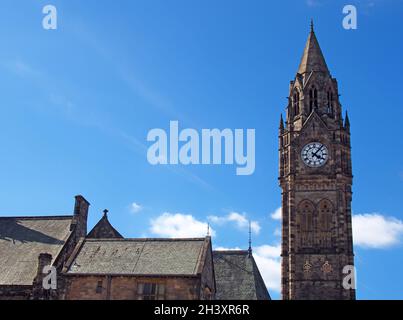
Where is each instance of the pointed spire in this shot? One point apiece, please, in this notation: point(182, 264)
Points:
point(312, 59)
point(281, 124)
point(250, 240)
point(347, 122)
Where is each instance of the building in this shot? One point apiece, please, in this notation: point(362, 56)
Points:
point(141, 269)
point(103, 265)
point(238, 277)
point(316, 178)
point(28, 244)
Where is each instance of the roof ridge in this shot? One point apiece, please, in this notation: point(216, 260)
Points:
point(260, 280)
point(144, 239)
point(37, 217)
point(232, 251)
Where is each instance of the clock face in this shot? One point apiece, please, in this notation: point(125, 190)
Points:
point(314, 154)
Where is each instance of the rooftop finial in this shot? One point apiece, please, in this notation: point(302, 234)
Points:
point(312, 25)
point(250, 240)
point(106, 212)
point(208, 229)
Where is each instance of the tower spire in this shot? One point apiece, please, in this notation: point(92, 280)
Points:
point(312, 59)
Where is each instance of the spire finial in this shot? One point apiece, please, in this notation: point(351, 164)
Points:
point(106, 213)
point(208, 229)
point(312, 25)
point(250, 240)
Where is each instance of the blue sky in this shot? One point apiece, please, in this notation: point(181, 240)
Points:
point(77, 103)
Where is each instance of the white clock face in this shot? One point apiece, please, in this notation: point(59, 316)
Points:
point(314, 154)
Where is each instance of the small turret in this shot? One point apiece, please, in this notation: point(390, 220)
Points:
point(281, 128)
point(347, 123)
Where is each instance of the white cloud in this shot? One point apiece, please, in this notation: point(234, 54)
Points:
point(267, 258)
point(135, 207)
point(376, 231)
point(227, 249)
point(178, 225)
point(277, 214)
point(268, 251)
point(239, 219)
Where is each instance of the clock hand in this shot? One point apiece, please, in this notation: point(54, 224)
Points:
point(315, 153)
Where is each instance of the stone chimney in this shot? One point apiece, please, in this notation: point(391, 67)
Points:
point(38, 292)
point(44, 259)
point(79, 223)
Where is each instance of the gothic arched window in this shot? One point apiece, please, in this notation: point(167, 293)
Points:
point(325, 221)
point(305, 223)
point(313, 99)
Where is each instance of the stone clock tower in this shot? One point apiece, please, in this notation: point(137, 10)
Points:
point(316, 179)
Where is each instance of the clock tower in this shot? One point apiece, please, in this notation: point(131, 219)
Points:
point(316, 178)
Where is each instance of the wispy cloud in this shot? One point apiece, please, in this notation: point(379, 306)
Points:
point(47, 85)
point(135, 207)
point(239, 219)
point(376, 231)
point(57, 101)
point(179, 225)
point(19, 67)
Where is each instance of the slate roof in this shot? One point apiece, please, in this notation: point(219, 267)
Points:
point(162, 257)
point(237, 276)
point(104, 229)
point(22, 239)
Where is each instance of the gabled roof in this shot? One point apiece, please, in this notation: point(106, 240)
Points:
point(104, 230)
point(22, 239)
point(312, 59)
point(238, 277)
point(162, 257)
